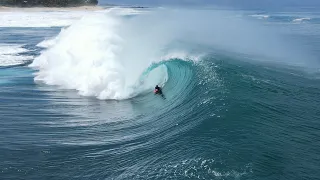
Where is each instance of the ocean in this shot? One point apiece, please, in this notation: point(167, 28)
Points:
point(241, 94)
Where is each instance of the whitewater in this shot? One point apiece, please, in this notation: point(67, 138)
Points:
point(241, 94)
point(104, 55)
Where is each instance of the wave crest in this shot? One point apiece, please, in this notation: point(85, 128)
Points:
point(97, 58)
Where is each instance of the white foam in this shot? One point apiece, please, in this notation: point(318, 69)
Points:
point(126, 11)
point(298, 20)
point(92, 57)
point(52, 18)
point(182, 55)
point(47, 43)
point(39, 19)
point(9, 55)
point(260, 16)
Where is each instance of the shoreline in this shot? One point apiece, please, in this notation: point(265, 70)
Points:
point(44, 9)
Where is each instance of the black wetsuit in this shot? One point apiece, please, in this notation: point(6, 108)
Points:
point(159, 90)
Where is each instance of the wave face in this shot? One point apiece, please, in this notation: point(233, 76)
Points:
point(105, 54)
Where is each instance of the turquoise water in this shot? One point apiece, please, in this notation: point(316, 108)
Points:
point(225, 116)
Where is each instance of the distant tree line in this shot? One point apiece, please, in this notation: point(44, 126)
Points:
point(47, 3)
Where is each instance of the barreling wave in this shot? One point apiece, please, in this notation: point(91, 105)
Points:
point(215, 106)
point(106, 54)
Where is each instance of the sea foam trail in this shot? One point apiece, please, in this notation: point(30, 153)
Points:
point(105, 54)
point(9, 55)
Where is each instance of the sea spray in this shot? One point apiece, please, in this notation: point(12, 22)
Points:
point(104, 54)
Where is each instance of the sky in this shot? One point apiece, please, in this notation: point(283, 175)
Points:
point(244, 4)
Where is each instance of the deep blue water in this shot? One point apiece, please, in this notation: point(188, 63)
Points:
point(225, 117)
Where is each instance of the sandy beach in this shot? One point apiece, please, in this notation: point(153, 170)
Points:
point(41, 9)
